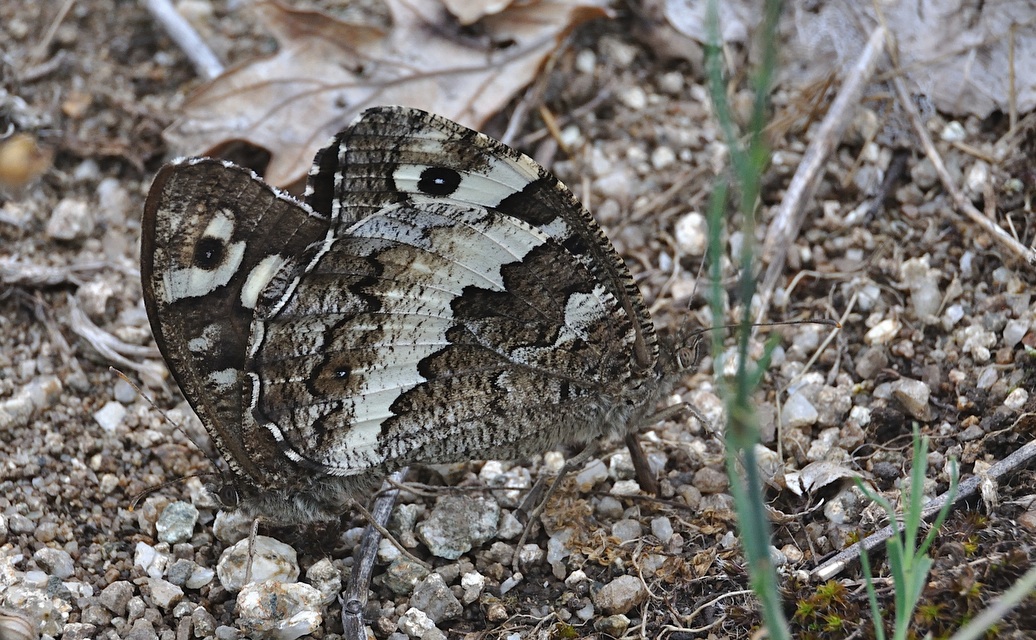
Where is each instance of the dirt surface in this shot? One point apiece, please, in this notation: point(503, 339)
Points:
point(938, 322)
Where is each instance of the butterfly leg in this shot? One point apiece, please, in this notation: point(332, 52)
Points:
point(537, 499)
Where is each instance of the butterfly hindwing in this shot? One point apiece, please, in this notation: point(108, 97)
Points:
point(212, 236)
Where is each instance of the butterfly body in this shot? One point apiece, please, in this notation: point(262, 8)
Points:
point(438, 297)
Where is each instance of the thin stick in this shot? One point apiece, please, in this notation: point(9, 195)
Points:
point(852, 553)
point(354, 598)
point(960, 201)
point(785, 226)
point(205, 62)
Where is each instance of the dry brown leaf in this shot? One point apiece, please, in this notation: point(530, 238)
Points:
point(327, 71)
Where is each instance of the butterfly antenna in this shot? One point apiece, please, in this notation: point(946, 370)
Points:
point(158, 487)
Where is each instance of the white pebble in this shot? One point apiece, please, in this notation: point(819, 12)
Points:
point(691, 233)
point(271, 560)
point(634, 97)
point(1016, 399)
point(883, 332)
point(1014, 331)
point(953, 132)
point(662, 157)
point(798, 412)
point(110, 415)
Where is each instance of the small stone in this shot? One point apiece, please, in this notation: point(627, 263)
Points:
point(231, 526)
point(326, 579)
point(203, 622)
point(199, 577)
point(609, 508)
point(662, 529)
point(70, 220)
point(1014, 331)
point(55, 562)
point(180, 571)
point(1016, 399)
point(633, 97)
point(662, 158)
point(272, 561)
point(530, 555)
point(402, 575)
point(97, 299)
point(620, 595)
point(883, 332)
point(176, 523)
point(473, 583)
point(150, 559)
point(72, 631)
point(116, 597)
point(416, 624)
point(671, 82)
point(110, 416)
point(435, 599)
point(402, 522)
point(798, 412)
point(281, 610)
point(614, 626)
point(458, 524)
point(142, 629)
point(592, 474)
point(913, 396)
point(557, 546)
point(627, 530)
point(510, 527)
point(953, 132)
point(164, 594)
point(871, 362)
point(709, 480)
point(691, 233)
point(977, 341)
point(923, 284)
point(496, 611)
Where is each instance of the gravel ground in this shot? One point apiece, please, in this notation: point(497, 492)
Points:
point(938, 329)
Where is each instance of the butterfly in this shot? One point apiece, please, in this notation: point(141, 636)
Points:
point(436, 296)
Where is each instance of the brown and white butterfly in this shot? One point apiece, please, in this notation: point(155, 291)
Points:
point(437, 297)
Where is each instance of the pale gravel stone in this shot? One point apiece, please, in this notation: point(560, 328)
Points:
point(55, 562)
point(1016, 399)
point(627, 530)
point(1014, 331)
point(458, 524)
point(435, 599)
point(473, 583)
point(70, 220)
point(271, 561)
point(620, 595)
point(417, 625)
point(913, 396)
point(691, 233)
point(591, 475)
point(176, 523)
point(284, 611)
point(662, 529)
point(164, 594)
point(798, 412)
point(110, 416)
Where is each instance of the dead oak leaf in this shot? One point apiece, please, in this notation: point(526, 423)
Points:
point(327, 71)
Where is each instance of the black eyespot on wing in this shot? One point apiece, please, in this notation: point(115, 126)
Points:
point(342, 372)
point(438, 181)
point(208, 253)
